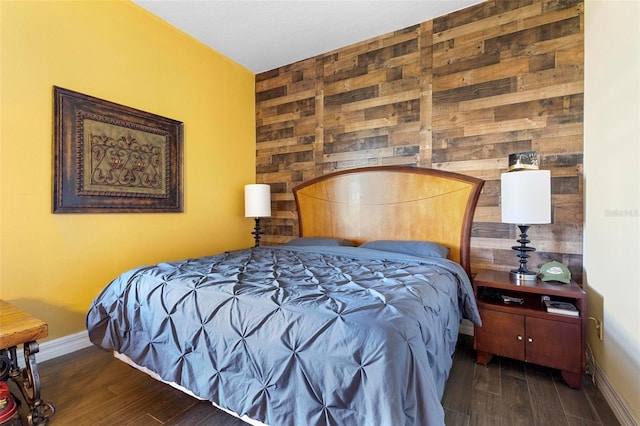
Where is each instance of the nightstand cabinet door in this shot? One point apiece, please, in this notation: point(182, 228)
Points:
point(501, 334)
point(554, 344)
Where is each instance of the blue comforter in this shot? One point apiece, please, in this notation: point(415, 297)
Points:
point(295, 335)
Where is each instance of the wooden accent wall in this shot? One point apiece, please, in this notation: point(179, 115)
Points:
point(458, 93)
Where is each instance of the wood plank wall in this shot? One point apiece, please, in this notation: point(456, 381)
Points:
point(458, 93)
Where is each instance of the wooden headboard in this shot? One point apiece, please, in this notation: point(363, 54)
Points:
point(391, 203)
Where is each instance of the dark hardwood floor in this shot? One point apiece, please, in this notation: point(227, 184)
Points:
point(90, 387)
point(509, 392)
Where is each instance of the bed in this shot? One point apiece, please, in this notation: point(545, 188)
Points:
point(354, 322)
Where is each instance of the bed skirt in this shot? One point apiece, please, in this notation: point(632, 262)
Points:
point(145, 370)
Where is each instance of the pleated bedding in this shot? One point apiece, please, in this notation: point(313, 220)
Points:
point(295, 335)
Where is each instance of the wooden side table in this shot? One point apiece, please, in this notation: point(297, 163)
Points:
point(18, 327)
point(527, 331)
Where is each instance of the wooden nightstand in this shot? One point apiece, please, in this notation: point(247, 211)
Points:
point(527, 332)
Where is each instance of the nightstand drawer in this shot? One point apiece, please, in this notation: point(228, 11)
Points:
point(554, 344)
point(501, 334)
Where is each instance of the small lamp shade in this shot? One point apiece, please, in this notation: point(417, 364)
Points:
point(526, 197)
point(257, 200)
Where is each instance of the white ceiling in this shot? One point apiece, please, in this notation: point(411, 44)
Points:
point(266, 34)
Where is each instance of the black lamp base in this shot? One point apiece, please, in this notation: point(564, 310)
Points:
point(522, 273)
point(256, 232)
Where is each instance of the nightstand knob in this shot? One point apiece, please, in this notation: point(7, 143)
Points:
point(530, 339)
point(519, 337)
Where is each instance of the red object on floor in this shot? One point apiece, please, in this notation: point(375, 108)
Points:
point(8, 408)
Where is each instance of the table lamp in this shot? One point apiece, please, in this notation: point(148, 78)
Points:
point(257, 204)
point(526, 200)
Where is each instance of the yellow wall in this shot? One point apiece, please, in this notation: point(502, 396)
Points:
point(54, 265)
point(612, 184)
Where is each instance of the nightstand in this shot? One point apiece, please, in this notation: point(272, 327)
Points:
point(526, 331)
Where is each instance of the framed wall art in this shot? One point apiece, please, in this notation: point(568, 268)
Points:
point(110, 158)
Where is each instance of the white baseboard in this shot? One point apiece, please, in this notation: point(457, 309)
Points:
point(616, 402)
point(466, 327)
point(54, 348)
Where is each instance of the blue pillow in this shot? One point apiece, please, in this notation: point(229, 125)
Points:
point(413, 248)
point(319, 241)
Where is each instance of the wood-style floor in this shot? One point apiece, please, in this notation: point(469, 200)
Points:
point(90, 387)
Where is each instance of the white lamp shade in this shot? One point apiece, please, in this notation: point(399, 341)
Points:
point(257, 200)
point(526, 197)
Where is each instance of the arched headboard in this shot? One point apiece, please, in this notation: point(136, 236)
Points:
point(391, 203)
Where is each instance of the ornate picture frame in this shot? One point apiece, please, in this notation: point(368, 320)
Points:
point(110, 158)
